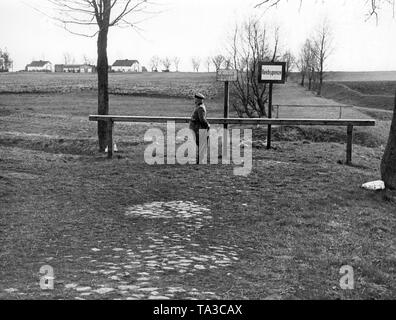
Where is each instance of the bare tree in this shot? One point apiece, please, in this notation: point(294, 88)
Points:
point(196, 63)
point(218, 61)
point(311, 63)
point(228, 62)
point(68, 58)
point(290, 60)
point(388, 163)
point(154, 63)
point(166, 62)
point(176, 62)
point(322, 50)
point(306, 62)
point(208, 63)
point(98, 16)
point(87, 60)
point(302, 65)
point(374, 6)
point(249, 45)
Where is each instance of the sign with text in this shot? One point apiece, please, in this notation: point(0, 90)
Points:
point(272, 72)
point(227, 75)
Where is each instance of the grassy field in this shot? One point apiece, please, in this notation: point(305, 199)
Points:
point(356, 76)
point(375, 95)
point(362, 76)
point(373, 90)
point(175, 85)
point(122, 229)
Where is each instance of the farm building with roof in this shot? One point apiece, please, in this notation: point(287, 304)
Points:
point(39, 66)
point(75, 68)
point(126, 66)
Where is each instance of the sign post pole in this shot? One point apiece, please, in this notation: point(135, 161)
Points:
point(226, 102)
point(225, 127)
point(269, 116)
point(226, 75)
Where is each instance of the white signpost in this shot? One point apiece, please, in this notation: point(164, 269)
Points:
point(271, 72)
point(227, 75)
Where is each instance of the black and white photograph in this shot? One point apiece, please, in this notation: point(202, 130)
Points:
point(209, 152)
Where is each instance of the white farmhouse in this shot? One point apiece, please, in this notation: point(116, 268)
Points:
point(39, 66)
point(126, 66)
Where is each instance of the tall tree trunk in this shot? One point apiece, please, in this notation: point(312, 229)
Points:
point(303, 79)
point(320, 83)
point(388, 163)
point(320, 78)
point(103, 86)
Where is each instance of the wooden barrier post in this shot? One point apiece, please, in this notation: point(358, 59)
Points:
point(269, 116)
point(349, 144)
point(225, 126)
point(226, 102)
point(110, 124)
point(226, 75)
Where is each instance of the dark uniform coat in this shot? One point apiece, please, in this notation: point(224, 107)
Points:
point(198, 119)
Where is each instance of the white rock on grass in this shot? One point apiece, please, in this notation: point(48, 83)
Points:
point(143, 279)
point(185, 261)
point(148, 289)
point(108, 271)
point(104, 290)
point(71, 286)
point(85, 294)
point(158, 298)
point(10, 290)
point(79, 289)
point(199, 267)
point(200, 259)
point(374, 185)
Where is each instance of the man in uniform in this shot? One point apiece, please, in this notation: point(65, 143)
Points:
point(198, 122)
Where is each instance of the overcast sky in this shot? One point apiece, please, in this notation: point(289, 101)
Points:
point(188, 28)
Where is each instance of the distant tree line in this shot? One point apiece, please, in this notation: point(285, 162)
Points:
point(5, 61)
point(313, 56)
point(166, 63)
